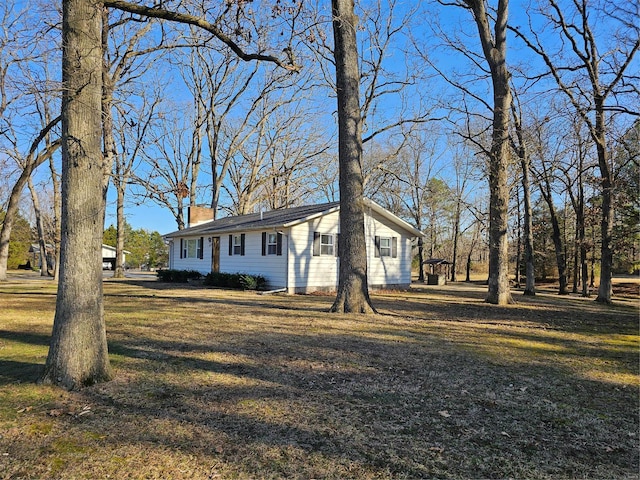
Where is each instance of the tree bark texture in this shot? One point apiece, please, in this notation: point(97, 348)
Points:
point(353, 289)
point(605, 289)
point(78, 352)
point(57, 209)
point(494, 48)
point(42, 242)
point(525, 166)
point(556, 236)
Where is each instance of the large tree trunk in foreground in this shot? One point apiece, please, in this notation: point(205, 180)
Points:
point(78, 353)
point(494, 47)
point(353, 289)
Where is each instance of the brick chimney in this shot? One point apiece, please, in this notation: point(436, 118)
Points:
point(198, 215)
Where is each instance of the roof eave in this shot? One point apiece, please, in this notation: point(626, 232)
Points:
point(394, 218)
point(308, 218)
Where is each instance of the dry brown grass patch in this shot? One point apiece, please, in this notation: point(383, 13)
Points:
point(219, 384)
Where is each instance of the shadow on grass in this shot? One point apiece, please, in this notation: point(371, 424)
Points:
point(21, 371)
point(25, 337)
point(361, 397)
point(560, 313)
point(378, 405)
point(12, 371)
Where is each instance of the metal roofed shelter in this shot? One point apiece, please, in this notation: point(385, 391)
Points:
point(436, 275)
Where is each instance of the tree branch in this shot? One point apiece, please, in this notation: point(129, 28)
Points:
point(185, 18)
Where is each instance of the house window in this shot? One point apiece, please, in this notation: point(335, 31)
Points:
point(192, 247)
point(324, 244)
point(272, 244)
point(386, 247)
point(236, 244)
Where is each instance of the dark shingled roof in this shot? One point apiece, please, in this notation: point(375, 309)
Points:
point(271, 219)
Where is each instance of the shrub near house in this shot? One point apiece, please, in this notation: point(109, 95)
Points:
point(242, 281)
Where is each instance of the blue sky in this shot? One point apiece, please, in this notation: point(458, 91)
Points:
point(152, 217)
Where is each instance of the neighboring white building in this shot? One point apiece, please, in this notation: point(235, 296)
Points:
point(295, 249)
point(109, 257)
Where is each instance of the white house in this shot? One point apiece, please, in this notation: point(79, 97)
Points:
point(295, 249)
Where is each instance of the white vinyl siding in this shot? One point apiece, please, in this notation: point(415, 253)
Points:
point(306, 270)
point(191, 253)
point(272, 267)
point(390, 264)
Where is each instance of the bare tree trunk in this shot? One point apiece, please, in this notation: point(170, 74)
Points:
point(605, 289)
point(561, 261)
point(420, 259)
point(57, 214)
point(16, 191)
point(108, 88)
point(582, 236)
point(78, 353)
point(556, 234)
point(353, 289)
point(42, 242)
point(494, 47)
point(120, 232)
point(589, 63)
point(518, 261)
point(474, 241)
point(525, 166)
point(576, 259)
point(456, 236)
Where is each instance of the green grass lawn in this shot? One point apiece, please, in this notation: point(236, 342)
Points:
point(222, 384)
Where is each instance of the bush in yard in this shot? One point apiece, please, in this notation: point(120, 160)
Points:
point(235, 280)
point(178, 276)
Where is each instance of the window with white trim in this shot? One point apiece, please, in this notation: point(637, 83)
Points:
point(192, 248)
point(272, 244)
point(237, 245)
point(385, 246)
point(326, 244)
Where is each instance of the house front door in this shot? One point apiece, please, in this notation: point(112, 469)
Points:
point(215, 254)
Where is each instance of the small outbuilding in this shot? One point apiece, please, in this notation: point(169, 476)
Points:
point(438, 270)
point(109, 257)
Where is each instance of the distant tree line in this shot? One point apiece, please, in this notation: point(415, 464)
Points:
point(146, 249)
